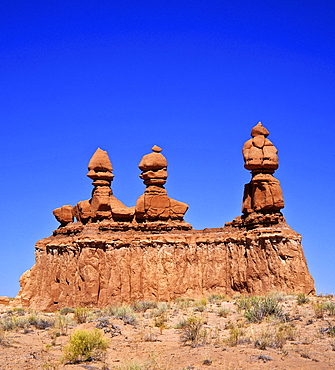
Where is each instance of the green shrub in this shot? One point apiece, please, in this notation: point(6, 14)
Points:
point(183, 303)
point(160, 322)
point(330, 307)
point(161, 309)
point(124, 313)
point(18, 311)
point(260, 307)
point(181, 323)
point(85, 346)
point(200, 305)
point(244, 303)
point(235, 335)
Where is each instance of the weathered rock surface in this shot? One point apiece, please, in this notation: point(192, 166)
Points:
point(92, 267)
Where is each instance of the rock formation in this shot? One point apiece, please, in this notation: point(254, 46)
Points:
point(154, 204)
point(118, 254)
point(263, 198)
point(154, 209)
point(103, 204)
point(263, 193)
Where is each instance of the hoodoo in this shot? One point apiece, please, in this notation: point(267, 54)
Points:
point(105, 252)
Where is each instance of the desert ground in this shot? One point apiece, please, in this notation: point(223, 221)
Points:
point(276, 331)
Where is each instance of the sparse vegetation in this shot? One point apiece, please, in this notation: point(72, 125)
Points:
point(62, 324)
point(124, 313)
point(84, 346)
point(259, 323)
point(40, 322)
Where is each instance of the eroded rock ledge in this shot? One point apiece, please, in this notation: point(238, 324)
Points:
point(96, 268)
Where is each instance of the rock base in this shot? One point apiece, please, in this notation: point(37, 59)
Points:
point(96, 265)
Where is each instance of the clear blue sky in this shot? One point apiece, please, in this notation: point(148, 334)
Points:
point(190, 76)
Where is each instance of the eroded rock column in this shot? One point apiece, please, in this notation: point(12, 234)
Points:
point(154, 204)
point(263, 193)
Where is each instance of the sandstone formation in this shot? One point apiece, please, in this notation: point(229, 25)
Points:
point(103, 204)
point(113, 253)
point(263, 198)
point(263, 193)
point(155, 204)
point(154, 209)
point(95, 268)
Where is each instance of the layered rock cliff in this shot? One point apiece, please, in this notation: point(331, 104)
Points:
point(97, 268)
point(114, 253)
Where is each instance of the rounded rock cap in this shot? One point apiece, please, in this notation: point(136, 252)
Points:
point(153, 161)
point(259, 129)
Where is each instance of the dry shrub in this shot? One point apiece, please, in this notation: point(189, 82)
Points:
point(323, 308)
point(223, 312)
point(235, 336)
point(81, 314)
point(200, 305)
point(214, 298)
point(85, 346)
point(143, 306)
point(275, 336)
point(302, 299)
point(192, 332)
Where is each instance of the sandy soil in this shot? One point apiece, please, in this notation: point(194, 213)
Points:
point(226, 340)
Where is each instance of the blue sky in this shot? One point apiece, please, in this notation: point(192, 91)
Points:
point(192, 77)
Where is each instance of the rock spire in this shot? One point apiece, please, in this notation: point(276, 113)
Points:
point(103, 204)
point(155, 204)
point(263, 193)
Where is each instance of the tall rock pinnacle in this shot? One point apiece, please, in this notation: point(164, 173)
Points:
point(263, 193)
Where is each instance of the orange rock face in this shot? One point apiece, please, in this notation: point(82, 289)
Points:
point(115, 253)
point(92, 267)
